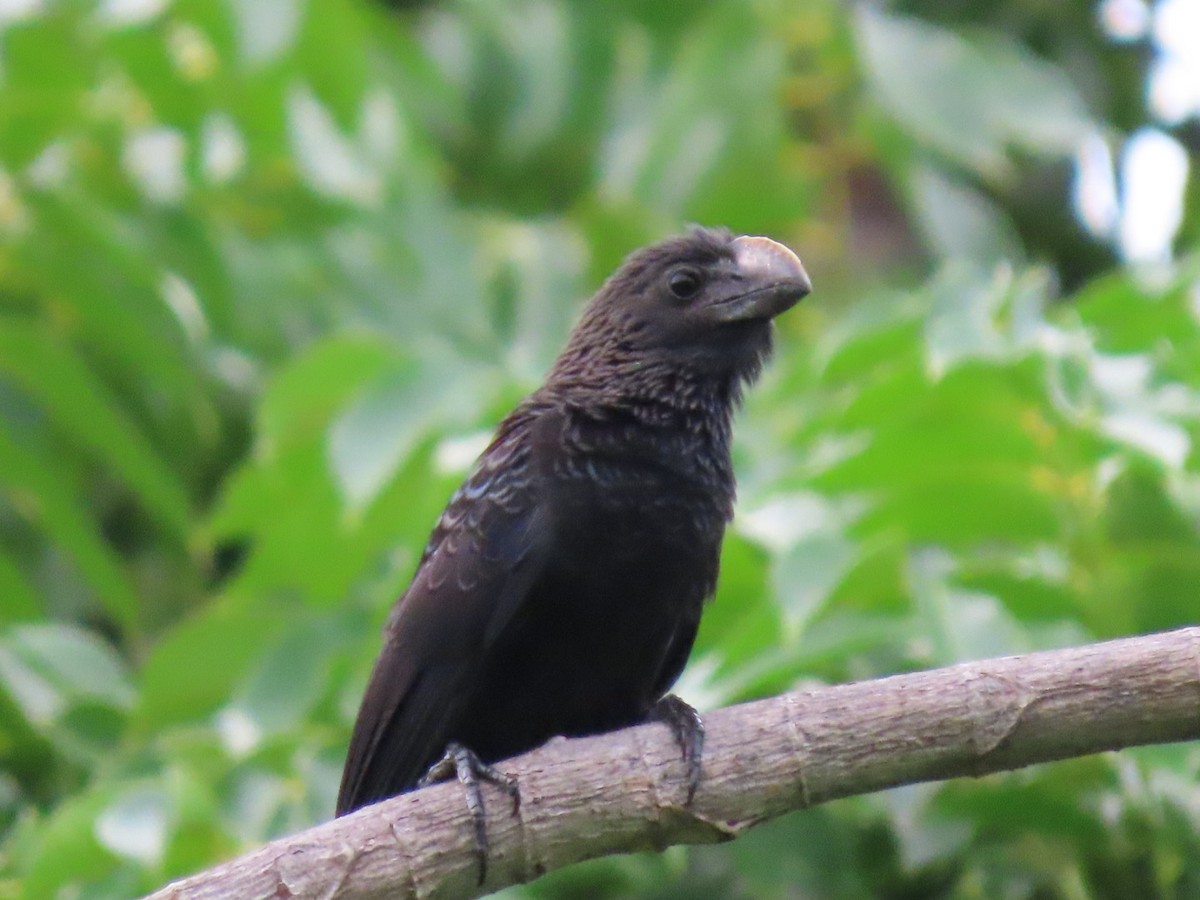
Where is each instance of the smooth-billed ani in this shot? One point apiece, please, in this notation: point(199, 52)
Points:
point(561, 589)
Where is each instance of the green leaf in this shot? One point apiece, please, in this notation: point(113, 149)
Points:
point(1128, 315)
point(82, 406)
point(533, 269)
point(65, 854)
point(49, 502)
point(973, 98)
point(288, 678)
point(924, 837)
point(1139, 509)
point(963, 508)
point(805, 576)
point(134, 824)
point(740, 622)
point(47, 73)
point(18, 599)
point(113, 298)
point(960, 222)
point(962, 625)
point(47, 669)
point(191, 671)
point(389, 418)
point(305, 394)
point(675, 128)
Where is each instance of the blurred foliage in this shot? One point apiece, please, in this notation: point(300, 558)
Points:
point(269, 273)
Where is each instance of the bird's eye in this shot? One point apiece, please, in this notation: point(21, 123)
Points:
point(684, 283)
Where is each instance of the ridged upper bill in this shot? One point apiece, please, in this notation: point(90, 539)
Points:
point(772, 279)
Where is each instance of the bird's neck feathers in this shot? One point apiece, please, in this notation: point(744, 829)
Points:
point(652, 390)
point(606, 365)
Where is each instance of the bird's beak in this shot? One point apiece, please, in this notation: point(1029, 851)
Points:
point(768, 279)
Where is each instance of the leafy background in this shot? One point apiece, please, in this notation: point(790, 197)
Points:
point(270, 271)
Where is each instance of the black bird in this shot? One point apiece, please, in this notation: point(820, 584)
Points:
point(561, 589)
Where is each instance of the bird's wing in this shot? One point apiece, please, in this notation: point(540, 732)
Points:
point(485, 553)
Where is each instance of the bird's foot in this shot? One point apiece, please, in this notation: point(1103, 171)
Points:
point(470, 771)
point(687, 726)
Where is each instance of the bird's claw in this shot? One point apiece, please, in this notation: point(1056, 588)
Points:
point(470, 771)
point(688, 728)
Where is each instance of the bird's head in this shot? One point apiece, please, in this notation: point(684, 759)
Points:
point(703, 302)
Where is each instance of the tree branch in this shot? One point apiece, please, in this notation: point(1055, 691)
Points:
point(624, 791)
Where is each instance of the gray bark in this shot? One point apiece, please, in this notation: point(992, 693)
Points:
point(625, 791)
